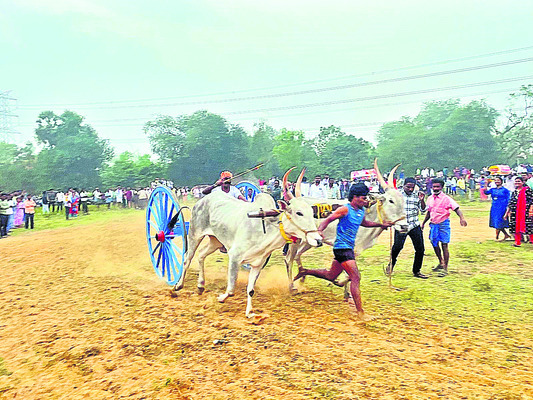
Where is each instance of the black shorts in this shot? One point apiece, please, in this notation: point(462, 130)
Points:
point(342, 255)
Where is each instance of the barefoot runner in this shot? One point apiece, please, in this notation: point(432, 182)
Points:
point(350, 218)
point(439, 206)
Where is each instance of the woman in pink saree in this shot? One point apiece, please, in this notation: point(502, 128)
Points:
point(19, 213)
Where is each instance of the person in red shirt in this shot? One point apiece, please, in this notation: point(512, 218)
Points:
point(439, 206)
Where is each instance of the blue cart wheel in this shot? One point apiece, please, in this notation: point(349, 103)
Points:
point(245, 186)
point(166, 232)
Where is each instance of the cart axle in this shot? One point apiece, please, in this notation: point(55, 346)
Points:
point(160, 236)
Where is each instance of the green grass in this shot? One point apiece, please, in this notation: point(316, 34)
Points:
point(490, 285)
point(3, 370)
point(58, 220)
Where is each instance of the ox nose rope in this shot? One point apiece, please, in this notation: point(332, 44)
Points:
point(291, 239)
point(382, 217)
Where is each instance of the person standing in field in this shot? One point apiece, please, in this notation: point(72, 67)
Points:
point(19, 212)
point(4, 206)
point(520, 212)
point(29, 211)
point(316, 189)
point(414, 204)
point(500, 199)
point(439, 206)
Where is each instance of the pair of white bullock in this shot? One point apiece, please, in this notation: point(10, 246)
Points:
point(224, 221)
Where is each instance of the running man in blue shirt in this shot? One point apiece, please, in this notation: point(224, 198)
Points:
point(350, 218)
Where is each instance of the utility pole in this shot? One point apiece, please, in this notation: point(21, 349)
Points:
point(7, 116)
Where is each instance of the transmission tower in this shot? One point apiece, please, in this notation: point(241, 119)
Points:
point(7, 116)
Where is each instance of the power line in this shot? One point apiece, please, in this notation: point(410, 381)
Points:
point(328, 89)
point(367, 98)
point(306, 83)
point(109, 122)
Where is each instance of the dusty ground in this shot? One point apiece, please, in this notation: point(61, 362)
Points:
point(83, 315)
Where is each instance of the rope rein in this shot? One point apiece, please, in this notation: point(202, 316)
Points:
point(282, 229)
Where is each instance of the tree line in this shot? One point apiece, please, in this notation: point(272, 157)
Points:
point(192, 149)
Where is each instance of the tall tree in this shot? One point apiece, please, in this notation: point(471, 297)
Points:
point(402, 142)
point(204, 144)
point(72, 153)
point(166, 137)
point(289, 149)
point(338, 153)
point(261, 146)
point(18, 168)
point(515, 136)
point(444, 134)
point(129, 170)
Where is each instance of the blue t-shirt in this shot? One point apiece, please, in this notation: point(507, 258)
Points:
point(348, 227)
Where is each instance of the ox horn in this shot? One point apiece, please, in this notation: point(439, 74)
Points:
point(381, 181)
point(298, 188)
point(390, 179)
point(287, 195)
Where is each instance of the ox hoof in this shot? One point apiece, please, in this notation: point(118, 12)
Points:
point(257, 319)
point(293, 290)
point(201, 289)
point(222, 298)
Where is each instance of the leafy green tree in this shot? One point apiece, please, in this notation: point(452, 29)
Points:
point(203, 143)
point(434, 113)
point(129, 170)
point(338, 153)
point(515, 137)
point(166, 137)
point(72, 153)
point(344, 154)
point(262, 143)
point(444, 134)
point(18, 168)
point(464, 138)
point(289, 149)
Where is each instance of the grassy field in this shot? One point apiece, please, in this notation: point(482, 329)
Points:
point(58, 219)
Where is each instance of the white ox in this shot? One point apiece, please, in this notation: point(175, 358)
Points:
point(388, 206)
point(224, 220)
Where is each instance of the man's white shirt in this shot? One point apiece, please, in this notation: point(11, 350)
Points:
point(233, 191)
point(317, 191)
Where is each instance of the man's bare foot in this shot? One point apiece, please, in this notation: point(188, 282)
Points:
point(362, 317)
point(301, 273)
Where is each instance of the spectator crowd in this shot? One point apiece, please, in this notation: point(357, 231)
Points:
point(17, 209)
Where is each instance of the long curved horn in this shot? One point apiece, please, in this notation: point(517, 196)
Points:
point(380, 177)
point(287, 195)
point(298, 188)
point(390, 179)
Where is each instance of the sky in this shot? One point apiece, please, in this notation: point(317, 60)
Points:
point(298, 64)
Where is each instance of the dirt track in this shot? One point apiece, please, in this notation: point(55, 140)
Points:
point(83, 315)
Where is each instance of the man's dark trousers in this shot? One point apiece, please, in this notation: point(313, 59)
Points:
point(29, 221)
point(418, 242)
point(3, 224)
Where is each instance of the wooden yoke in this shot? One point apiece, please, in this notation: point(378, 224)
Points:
point(263, 214)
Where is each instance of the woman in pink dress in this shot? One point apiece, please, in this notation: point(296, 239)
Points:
point(482, 186)
point(19, 213)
